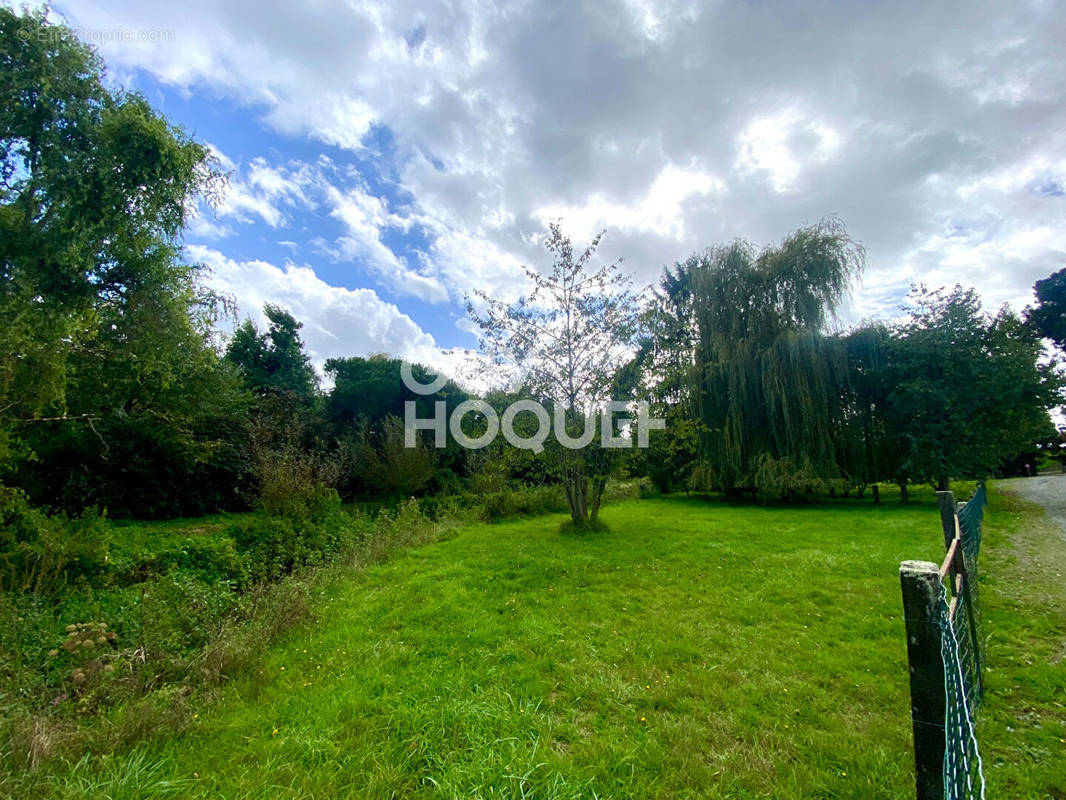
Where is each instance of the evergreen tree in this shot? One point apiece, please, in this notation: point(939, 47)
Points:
point(967, 389)
point(274, 362)
point(1048, 317)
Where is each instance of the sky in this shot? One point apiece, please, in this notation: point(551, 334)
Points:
point(388, 158)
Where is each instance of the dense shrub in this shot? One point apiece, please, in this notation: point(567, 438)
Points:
point(293, 475)
point(212, 558)
point(274, 545)
point(39, 553)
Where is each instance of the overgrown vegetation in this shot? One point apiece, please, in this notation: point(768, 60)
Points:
point(155, 616)
point(99, 615)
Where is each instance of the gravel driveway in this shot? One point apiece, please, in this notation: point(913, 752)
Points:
point(1047, 490)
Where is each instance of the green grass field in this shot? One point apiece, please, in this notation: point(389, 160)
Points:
point(698, 650)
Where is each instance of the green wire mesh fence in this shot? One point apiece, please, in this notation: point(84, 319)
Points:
point(944, 649)
point(963, 778)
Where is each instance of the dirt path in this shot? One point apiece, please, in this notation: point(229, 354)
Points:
point(1047, 490)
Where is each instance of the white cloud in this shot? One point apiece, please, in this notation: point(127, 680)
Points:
point(206, 225)
point(257, 191)
point(675, 124)
point(272, 193)
point(660, 211)
point(337, 322)
point(781, 144)
point(365, 216)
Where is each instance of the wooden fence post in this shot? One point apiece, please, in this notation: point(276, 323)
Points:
point(946, 501)
point(920, 582)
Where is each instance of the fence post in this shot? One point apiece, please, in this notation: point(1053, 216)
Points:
point(920, 582)
point(946, 501)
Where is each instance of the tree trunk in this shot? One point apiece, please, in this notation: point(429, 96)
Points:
point(943, 484)
point(903, 494)
point(597, 496)
point(577, 495)
point(877, 494)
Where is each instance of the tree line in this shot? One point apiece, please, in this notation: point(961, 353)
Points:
point(770, 399)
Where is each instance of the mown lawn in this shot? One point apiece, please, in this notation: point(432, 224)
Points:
point(698, 650)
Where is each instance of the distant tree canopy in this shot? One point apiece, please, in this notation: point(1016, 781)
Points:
point(274, 362)
point(782, 406)
point(965, 390)
point(371, 388)
point(1048, 317)
point(366, 409)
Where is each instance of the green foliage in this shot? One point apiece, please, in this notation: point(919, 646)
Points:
point(160, 427)
point(785, 478)
point(966, 390)
point(110, 391)
point(274, 362)
point(294, 481)
point(383, 465)
point(532, 501)
point(211, 559)
point(672, 454)
point(186, 612)
point(372, 388)
point(782, 407)
point(865, 446)
point(365, 410)
point(1048, 316)
point(702, 479)
point(767, 374)
point(41, 553)
point(272, 546)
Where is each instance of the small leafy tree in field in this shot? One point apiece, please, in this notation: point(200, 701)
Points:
point(568, 339)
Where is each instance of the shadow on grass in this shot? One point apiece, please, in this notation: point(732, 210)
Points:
point(921, 498)
point(571, 528)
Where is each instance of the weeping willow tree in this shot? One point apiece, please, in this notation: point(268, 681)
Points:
point(769, 378)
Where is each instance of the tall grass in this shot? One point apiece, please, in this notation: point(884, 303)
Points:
point(179, 635)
